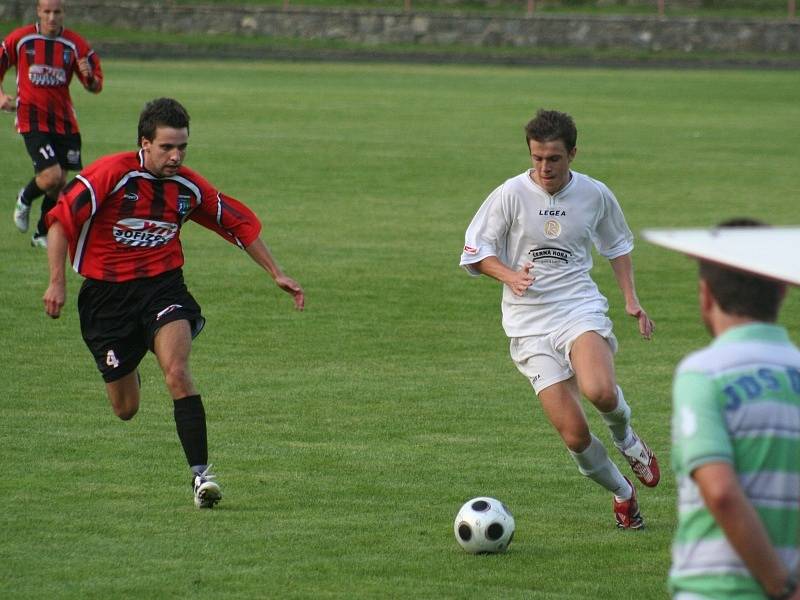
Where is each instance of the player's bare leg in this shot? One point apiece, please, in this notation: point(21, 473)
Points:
point(124, 395)
point(561, 404)
point(563, 409)
point(172, 345)
point(593, 362)
point(51, 179)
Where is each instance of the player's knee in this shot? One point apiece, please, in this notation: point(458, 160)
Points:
point(178, 378)
point(51, 180)
point(125, 413)
point(602, 394)
point(576, 441)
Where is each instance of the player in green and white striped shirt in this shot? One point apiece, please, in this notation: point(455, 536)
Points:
point(736, 447)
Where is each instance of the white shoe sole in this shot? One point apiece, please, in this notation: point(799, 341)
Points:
point(207, 495)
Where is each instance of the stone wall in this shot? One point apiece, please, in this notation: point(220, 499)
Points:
point(394, 26)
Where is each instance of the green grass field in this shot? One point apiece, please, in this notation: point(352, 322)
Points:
point(347, 437)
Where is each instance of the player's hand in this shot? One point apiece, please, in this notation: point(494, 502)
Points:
point(7, 103)
point(85, 68)
point(521, 280)
point(796, 595)
point(54, 299)
point(290, 286)
point(646, 325)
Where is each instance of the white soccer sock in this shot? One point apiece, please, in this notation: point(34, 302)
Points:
point(619, 421)
point(595, 464)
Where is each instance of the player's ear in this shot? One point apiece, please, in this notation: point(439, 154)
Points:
point(706, 298)
point(572, 153)
point(782, 293)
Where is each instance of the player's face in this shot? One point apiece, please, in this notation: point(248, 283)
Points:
point(51, 17)
point(551, 164)
point(164, 154)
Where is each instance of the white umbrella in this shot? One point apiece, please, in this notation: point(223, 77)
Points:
point(771, 252)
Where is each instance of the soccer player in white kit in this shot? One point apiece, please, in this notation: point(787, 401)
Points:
point(534, 234)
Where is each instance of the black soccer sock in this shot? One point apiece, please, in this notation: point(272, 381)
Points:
point(47, 204)
point(190, 420)
point(30, 192)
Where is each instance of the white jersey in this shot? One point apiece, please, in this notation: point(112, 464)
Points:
point(520, 222)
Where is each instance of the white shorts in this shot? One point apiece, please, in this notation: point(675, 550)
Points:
point(544, 359)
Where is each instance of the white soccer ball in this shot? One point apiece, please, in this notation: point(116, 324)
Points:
point(484, 525)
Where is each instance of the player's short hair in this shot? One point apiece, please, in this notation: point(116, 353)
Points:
point(161, 112)
point(740, 293)
point(551, 125)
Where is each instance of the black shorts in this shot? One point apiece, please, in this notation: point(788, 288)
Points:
point(48, 149)
point(119, 321)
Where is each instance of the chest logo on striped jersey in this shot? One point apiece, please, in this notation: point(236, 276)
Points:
point(145, 233)
point(552, 229)
point(47, 76)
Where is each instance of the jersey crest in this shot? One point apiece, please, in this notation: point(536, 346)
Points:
point(552, 229)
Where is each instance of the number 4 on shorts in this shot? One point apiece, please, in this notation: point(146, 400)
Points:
point(111, 359)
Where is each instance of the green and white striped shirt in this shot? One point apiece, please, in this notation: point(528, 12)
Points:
point(736, 401)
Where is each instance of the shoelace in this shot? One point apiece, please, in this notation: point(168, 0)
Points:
point(205, 475)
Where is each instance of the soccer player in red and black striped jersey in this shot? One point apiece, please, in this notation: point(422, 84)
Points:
point(46, 56)
point(120, 219)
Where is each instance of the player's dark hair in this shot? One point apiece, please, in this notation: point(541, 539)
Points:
point(740, 293)
point(551, 125)
point(161, 112)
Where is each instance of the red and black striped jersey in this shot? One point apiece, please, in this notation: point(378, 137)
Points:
point(124, 223)
point(45, 66)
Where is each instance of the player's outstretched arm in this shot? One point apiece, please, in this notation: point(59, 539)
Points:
point(623, 272)
point(259, 252)
point(55, 295)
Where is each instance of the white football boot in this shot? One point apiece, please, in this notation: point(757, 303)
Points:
point(22, 214)
point(206, 491)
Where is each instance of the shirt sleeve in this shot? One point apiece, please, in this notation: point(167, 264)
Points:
point(486, 234)
point(699, 431)
point(612, 236)
point(82, 197)
point(75, 205)
point(228, 217)
point(7, 56)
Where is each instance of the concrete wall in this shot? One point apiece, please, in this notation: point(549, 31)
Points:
point(390, 26)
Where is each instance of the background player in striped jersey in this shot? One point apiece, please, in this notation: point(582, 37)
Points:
point(121, 219)
point(534, 234)
point(736, 446)
point(46, 56)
